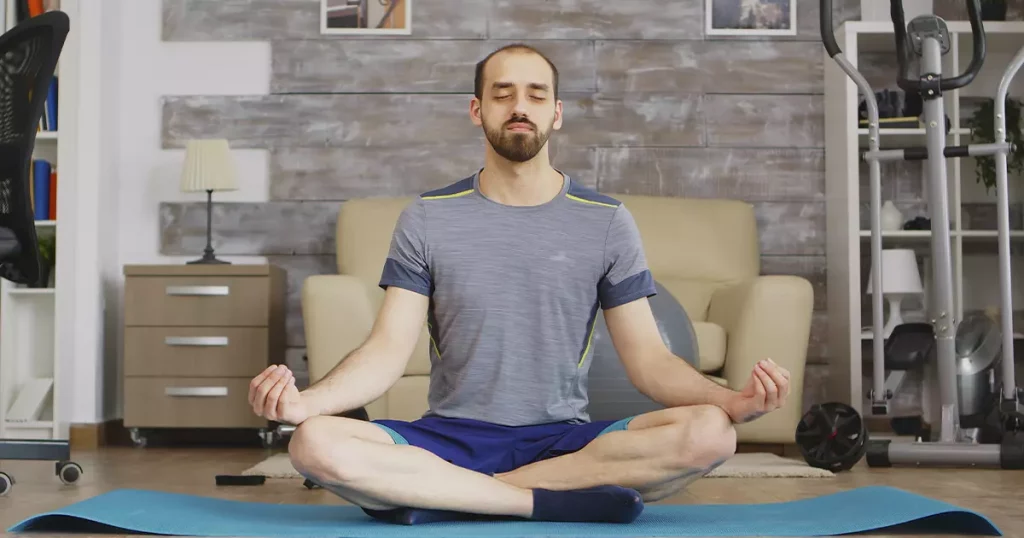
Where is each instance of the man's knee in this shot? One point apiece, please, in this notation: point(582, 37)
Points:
point(307, 445)
point(705, 438)
point(322, 452)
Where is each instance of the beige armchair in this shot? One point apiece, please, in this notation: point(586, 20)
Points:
point(704, 251)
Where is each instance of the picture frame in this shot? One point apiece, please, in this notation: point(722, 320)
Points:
point(366, 17)
point(750, 17)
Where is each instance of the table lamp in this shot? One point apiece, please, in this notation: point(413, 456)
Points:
point(900, 278)
point(208, 167)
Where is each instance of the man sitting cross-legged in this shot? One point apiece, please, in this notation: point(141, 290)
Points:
point(510, 268)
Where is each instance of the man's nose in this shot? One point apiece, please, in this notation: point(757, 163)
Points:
point(520, 106)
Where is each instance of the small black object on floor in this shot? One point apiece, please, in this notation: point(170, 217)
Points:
point(240, 480)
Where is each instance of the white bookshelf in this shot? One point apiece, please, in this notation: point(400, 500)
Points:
point(848, 243)
point(29, 389)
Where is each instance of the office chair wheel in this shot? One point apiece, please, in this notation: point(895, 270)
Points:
point(69, 471)
point(6, 483)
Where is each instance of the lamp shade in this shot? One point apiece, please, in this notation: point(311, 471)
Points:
point(899, 272)
point(208, 166)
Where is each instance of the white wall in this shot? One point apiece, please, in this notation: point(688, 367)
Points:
point(135, 174)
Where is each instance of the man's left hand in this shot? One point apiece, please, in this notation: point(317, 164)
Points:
point(765, 392)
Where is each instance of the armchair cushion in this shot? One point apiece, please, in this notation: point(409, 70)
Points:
point(766, 317)
point(694, 295)
point(711, 340)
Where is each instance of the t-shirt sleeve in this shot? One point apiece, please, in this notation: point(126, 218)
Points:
point(406, 265)
point(627, 277)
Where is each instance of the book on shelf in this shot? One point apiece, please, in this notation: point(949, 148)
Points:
point(48, 121)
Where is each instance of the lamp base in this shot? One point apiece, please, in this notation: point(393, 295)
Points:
point(895, 315)
point(211, 259)
point(208, 257)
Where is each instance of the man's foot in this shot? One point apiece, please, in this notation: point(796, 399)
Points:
point(601, 504)
point(417, 516)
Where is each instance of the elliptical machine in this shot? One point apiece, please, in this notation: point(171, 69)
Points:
point(834, 436)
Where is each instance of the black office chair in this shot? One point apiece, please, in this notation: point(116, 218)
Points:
point(28, 59)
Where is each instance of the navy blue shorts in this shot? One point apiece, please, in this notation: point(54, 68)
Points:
point(492, 448)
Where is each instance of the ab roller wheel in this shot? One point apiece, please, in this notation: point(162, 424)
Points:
point(832, 436)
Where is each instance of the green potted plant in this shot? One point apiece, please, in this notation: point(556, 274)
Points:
point(993, 10)
point(982, 126)
point(48, 255)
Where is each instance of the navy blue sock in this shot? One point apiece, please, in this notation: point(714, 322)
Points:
point(417, 516)
point(601, 504)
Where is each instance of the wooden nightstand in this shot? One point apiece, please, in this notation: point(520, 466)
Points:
point(194, 337)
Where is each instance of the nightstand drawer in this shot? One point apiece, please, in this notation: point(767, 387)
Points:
point(168, 402)
point(195, 351)
point(197, 301)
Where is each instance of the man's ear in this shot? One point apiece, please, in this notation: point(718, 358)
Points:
point(474, 112)
point(558, 115)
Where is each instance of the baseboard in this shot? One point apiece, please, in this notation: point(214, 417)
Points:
point(100, 434)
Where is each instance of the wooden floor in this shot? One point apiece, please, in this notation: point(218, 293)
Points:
point(995, 493)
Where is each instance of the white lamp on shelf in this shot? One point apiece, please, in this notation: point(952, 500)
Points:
point(208, 167)
point(900, 278)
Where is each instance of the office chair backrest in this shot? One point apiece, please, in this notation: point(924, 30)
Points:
point(28, 59)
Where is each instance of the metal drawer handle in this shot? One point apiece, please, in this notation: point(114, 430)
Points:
point(205, 392)
point(197, 290)
point(196, 340)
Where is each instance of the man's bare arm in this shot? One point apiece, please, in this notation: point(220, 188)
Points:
point(371, 369)
point(652, 367)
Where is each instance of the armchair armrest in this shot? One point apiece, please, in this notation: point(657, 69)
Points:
point(766, 316)
point(338, 314)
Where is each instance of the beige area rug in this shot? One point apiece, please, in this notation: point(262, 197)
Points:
point(744, 465)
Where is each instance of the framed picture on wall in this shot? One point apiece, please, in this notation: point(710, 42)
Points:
point(366, 17)
point(749, 17)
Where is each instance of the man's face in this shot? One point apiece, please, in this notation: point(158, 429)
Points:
point(518, 109)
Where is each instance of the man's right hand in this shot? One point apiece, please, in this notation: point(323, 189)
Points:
point(273, 395)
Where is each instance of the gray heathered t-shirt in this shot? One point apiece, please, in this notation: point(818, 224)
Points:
point(514, 295)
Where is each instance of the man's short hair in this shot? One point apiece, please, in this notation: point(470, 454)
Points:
point(478, 86)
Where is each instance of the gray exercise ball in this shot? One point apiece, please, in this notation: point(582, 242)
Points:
point(612, 395)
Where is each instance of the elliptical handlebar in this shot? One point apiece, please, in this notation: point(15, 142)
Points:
point(828, 36)
point(904, 80)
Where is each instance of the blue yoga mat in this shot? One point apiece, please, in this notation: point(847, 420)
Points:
point(858, 510)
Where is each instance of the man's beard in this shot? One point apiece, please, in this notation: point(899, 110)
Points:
point(517, 146)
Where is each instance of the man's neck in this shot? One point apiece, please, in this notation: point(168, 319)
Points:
point(520, 184)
